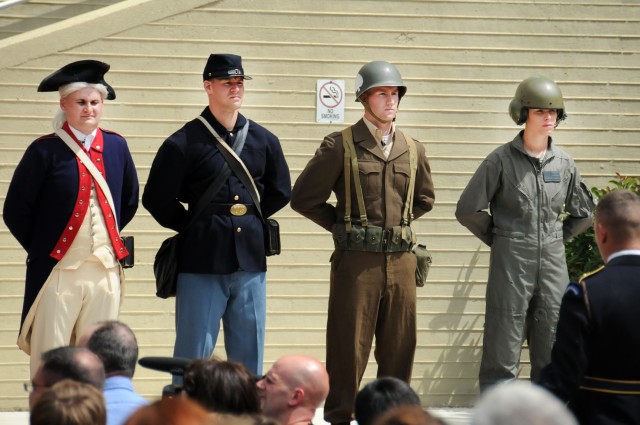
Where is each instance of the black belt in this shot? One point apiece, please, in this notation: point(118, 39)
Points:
point(231, 209)
point(613, 386)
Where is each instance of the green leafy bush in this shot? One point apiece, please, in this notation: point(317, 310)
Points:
point(582, 251)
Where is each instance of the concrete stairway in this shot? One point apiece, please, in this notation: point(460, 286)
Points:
point(24, 17)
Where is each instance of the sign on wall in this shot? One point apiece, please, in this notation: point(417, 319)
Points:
point(330, 101)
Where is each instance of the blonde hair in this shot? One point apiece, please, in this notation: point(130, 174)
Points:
point(70, 402)
point(66, 90)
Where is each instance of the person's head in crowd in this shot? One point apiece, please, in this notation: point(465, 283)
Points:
point(379, 396)
point(406, 415)
point(171, 411)
point(76, 363)
point(115, 344)
point(293, 389)
point(83, 339)
point(520, 403)
point(617, 224)
point(221, 386)
point(69, 402)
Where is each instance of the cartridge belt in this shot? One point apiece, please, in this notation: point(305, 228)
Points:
point(231, 209)
point(372, 238)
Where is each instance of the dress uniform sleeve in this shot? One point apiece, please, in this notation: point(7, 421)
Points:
point(313, 187)
point(277, 181)
point(472, 208)
point(580, 206)
point(569, 356)
point(21, 202)
point(160, 196)
point(424, 195)
point(130, 190)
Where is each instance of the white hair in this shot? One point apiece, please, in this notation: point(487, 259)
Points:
point(66, 90)
point(520, 403)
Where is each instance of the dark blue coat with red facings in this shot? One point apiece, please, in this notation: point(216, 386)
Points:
point(42, 194)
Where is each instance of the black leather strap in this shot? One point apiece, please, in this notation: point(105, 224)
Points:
point(217, 183)
point(238, 170)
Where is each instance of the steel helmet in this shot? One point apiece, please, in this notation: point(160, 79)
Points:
point(536, 93)
point(379, 74)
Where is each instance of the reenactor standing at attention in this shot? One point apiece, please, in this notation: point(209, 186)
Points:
point(71, 194)
point(524, 201)
point(222, 263)
point(382, 182)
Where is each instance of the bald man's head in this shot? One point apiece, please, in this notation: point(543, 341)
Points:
point(294, 388)
point(308, 373)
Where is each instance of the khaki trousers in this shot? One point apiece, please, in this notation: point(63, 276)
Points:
point(372, 294)
point(70, 301)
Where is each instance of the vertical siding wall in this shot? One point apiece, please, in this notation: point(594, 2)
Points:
point(461, 60)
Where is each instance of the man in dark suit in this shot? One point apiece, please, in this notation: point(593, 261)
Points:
point(594, 364)
point(222, 264)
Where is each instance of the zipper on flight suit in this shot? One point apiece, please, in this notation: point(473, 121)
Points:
point(537, 166)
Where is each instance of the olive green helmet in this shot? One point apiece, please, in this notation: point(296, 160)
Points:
point(379, 74)
point(536, 93)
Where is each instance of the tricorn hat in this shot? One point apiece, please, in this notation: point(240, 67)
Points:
point(223, 65)
point(84, 71)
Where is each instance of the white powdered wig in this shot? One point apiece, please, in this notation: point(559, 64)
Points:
point(66, 90)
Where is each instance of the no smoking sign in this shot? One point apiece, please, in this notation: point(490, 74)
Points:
point(330, 101)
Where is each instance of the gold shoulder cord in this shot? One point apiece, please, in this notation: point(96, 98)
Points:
point(583, 285)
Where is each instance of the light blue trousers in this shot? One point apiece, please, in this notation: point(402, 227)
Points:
point(238, 299)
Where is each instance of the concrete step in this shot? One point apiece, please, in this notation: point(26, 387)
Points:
point(28, 16)
point(343, 51)
point(449, 16)
point(388, 36)
point(425, 113)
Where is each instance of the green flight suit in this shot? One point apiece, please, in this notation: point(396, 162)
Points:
point(526, 200)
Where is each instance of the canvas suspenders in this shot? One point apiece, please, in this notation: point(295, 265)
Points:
point(351, 168)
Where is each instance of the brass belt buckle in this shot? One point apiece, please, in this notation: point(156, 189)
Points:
point(238, 209)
